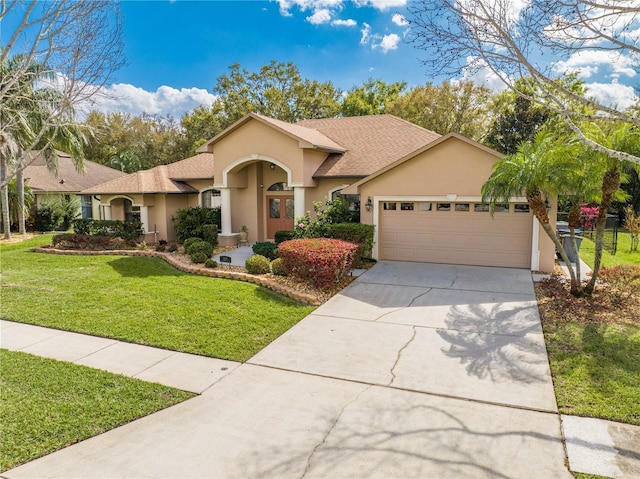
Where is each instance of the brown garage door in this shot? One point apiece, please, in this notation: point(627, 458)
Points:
point(457, 233)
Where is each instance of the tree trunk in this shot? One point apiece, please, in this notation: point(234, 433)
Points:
point(610, 184)
point(22, 225)
point(4, 198)
point(575, 215)
point(539, 209)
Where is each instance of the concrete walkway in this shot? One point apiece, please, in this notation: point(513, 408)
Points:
point(413, 370)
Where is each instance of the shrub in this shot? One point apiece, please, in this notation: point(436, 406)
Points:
point(82, 226)
point(128, 230)
point(188, 242)
point(160, 247)
point(199, 257)
point(48, 217)
point(322, 262)
point(632, 223)
point(283, 235)
point(172, 247)
point(190, 223)
point(267, 249)
point(356, 233)
point(211, 263)
point(277, 267)
point(257, 264)
point(200, 246)
point(210, 234)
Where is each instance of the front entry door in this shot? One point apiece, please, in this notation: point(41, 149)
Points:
point(280, 214)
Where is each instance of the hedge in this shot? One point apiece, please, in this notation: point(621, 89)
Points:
point(197, 222)
point(358, 233)
point(283, 235)
point(266, 248)
point(127, 230)
point(88, 242)
point(323, 262)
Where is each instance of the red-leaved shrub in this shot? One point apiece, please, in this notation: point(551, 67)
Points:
point(322, 262)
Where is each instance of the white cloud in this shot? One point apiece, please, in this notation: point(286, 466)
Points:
point(165, 100)
point(388, 42)
point(319, 17)
point(365, 32)
point(399, 20)
point(612, 94)
point(381, 4)
point(479, 72)
point(344, 23)
point(588, 62)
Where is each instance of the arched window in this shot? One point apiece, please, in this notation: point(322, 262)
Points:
point(211, 199)
point(280, 186)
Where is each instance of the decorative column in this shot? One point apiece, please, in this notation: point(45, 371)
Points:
point(106, 212)
point(225, 210)
point(298, 202)
point(144, 219)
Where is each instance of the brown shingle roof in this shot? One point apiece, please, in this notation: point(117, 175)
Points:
point(161, 179)
point(372, 142)
point(69, 179)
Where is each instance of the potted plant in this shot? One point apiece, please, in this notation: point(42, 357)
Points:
point(244, 233)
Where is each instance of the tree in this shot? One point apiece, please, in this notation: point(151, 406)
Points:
point(58, 57)
point(277, 91)
point(372, 98)
point(451, 107)
point(535, 172)
point(197, 127)
point(510, 39)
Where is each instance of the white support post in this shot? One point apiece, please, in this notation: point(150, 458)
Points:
point(106, 209)
point(298, 202)
point(225, 210)
point(144, 218)
point(535, 245)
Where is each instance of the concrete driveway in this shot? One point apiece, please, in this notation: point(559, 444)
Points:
point(414, 370)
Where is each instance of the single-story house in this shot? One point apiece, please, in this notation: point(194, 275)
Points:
point(68, 182)
point(421, 190)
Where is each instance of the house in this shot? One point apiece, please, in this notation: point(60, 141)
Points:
point(421, 190)
point(68, 182)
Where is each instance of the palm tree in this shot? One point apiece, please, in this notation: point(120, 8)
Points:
point(538, 171)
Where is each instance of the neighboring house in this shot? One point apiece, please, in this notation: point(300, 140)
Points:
point(68, 182)
point(420, 189)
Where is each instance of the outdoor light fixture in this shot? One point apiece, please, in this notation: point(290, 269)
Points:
point(368, 204)
point(272, 166)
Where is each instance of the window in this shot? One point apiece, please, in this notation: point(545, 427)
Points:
point(484, 207)
point(131, 213)
point(481, 207)
point(501, 208)
point(443, 207)
point(280, 186)
point(424, 206)
point(211, 199)
point(289, 210)
point(406, 206)
point(389, 206)
point(274, 208)
point(462, 206)
point(521, 208)
point(86, 207)
point(354, 204)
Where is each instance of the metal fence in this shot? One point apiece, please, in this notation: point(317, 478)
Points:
point(588, 230)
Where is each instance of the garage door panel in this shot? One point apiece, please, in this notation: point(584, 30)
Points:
point(456, 237)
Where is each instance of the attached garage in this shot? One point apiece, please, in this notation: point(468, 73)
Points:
point(427, 207)
point(454, 232)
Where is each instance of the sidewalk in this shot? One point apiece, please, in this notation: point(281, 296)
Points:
point(184, 371)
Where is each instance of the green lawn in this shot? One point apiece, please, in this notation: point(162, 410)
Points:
point(622, 256)
point(46, 405)
point(596, 369)
point(141, 300)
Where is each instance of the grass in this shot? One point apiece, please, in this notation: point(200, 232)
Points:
point(623, 254)
point(596, 369)
point(46, 405)
point(141, 300)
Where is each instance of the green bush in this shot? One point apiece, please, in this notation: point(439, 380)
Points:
point(191, 222)
point(200, 246)
point(172, 247)
point(277, 267)
point(210, 234)
point(356, 233)
point(267, 249)
point(188, 242)
point(128, 230)
point(88, 242)
point(211, 263)
point(48, 217)
point(331, 212)
point(161, 247)
point(199, 257)
point(257, 264)
point(283, 235)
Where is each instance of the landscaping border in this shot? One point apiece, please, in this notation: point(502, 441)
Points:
point(268, 283)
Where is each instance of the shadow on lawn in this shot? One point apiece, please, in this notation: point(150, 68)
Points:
point(143, 267)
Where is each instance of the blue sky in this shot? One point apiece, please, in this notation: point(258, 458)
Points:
point(177, 49)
